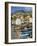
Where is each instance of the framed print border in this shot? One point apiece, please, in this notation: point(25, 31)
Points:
point(6, 22)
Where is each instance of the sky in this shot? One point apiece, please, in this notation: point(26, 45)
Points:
point(15, 8)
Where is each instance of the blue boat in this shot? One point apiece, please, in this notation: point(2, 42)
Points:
point(26, 33)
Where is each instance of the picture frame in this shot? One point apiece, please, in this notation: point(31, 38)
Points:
point(20, 22)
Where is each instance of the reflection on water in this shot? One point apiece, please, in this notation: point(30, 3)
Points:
point(23, 34)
